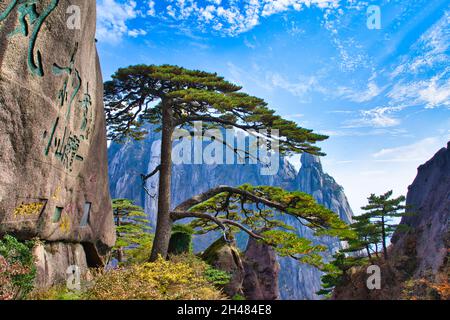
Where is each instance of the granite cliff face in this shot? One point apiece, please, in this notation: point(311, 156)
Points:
point(128, 161)
point(261, 272)
point(429, 200)
point(418, 264)
point(53, 159)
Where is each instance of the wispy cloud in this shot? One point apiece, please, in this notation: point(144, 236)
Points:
point(351, 132)
point(419, 151)
point(231, 17)
point(380, 117)
point(431, 93)
point(429, 52)
point(370, 92)
point(423, 76)
point(301, 87)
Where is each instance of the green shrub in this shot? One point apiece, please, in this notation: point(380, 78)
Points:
point(181, 239)
point(56, 293)
point(217, 277)
point(17, 270)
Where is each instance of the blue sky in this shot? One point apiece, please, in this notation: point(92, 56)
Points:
point(383, 95)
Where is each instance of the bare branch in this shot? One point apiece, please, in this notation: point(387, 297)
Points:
point(146, 177)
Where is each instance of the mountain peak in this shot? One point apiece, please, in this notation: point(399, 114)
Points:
point(309, 160)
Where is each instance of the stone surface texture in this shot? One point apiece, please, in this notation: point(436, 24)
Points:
point(53, 159)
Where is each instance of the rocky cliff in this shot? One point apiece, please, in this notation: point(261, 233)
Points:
point(418, 264)
point(53, 159)
point(128, 161)
point(428, 200)
point(261, 272)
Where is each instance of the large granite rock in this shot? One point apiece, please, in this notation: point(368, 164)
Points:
point(261, 272)
point(53, 159)
point(226, 257)
point(428, 200)
point(296, 281)
point(54, 259)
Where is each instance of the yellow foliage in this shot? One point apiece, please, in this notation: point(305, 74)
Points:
point(180, 278)
point(423, 289)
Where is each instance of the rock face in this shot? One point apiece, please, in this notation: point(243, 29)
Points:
point(128, 161)
point(53, 162)
point(303, 281)
point(418, 264)
point(429, 200)
point(226, 257)
point(261, 272)
point(312, 180)
point(54, 259)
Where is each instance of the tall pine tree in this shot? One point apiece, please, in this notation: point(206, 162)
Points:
point(381, 211)
point(175, 97)
point(132, 231)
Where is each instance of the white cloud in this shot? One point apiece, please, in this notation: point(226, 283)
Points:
point(276, 6)
point(232, 17)
point(380, 117)
point(417, 152)
point(151, 8)
point(302, 87)
point(134, 33)
point(423, 76)
point(434, 92)
point(372, 91)
point(112, 17)
point(430, 50)
point(226, 17)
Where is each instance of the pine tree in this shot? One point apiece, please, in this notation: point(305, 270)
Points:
point(369, 230)
point(132, 231)
point(367, 237)
point(175, 97)
point(380, 211)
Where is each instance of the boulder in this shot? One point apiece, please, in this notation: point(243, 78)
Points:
point(54, 262)
point(261, 272)
point(53, 159)
point(225, 256)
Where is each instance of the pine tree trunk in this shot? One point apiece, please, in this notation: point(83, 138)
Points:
point(384, 237)
point(120, 255)
point(119, 250)
point(164, 223)
point(368, 253)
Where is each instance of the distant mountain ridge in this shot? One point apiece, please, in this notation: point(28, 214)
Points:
point(128, 161)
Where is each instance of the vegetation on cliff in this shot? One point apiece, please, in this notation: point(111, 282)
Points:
point(17, 270)
point(371, 231)
point(348, 272)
